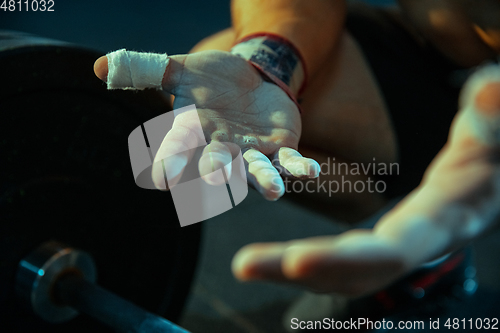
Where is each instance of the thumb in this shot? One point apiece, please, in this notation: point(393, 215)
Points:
point(142, 68)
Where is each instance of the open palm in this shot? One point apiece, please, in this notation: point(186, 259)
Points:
point(235, 107)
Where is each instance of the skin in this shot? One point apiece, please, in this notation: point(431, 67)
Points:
point(435, 218)
point(257, 116)
point(425, 225)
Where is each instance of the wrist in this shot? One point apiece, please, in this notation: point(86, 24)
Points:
point(276, 59)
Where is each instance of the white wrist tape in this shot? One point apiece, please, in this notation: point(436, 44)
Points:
point(136, 70)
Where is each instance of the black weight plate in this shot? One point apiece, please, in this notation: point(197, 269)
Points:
point(66, 176)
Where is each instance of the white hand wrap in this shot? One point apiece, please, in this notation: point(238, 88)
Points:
point(136, 70)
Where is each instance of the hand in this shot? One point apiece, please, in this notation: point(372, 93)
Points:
point(455, 203)
point(235, 106)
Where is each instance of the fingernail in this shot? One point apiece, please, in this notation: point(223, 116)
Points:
point(488, 99)
point(485, 128)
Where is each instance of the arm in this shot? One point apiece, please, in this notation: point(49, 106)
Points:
point(313, 26)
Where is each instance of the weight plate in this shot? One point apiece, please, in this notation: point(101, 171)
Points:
point(66, 176)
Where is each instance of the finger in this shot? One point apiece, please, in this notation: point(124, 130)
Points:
point(292, 161)
point(355, 250)
point(177, 150)
point(217, 156)
point(263, 175)
point(353, 263)
point(141, 66)
point(479, 120)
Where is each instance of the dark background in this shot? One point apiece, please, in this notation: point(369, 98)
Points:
point(154, 26)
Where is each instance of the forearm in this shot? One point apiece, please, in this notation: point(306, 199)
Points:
point(313, 26)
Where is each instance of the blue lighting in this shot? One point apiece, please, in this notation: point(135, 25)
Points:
point(29, 266)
